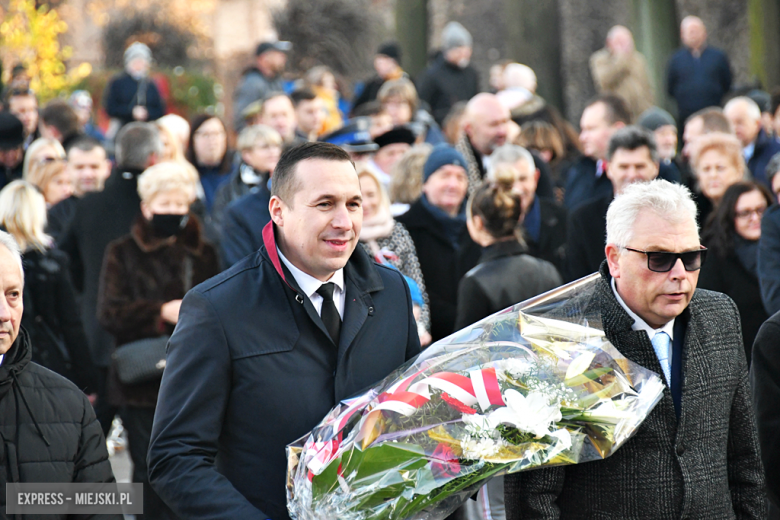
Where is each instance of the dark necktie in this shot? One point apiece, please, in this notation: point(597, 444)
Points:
point(330, 314)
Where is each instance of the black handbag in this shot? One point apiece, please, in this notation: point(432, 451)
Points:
point(141, 361)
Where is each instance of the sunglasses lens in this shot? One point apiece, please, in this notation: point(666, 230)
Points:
point(660, 262)
point(692, 260)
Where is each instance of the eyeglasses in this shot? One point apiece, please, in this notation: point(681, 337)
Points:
point(747, 213)
point(663, 261)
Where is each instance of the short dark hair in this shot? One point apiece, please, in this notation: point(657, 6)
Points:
point(630, 138)
point(60, 115)
point(85, 144)
point(18, 92)
point(284, 184)
point(616, 108)
point(302, 94)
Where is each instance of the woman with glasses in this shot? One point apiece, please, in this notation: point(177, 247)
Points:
point(732, 236)
point(208, 152)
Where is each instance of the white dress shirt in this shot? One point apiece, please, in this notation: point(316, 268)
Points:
point(309, 286)
point(1, 358)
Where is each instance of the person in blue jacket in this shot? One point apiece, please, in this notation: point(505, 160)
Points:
point(132, 95)
point(263, 351)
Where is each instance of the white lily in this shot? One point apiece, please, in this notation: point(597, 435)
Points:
point(531, 413)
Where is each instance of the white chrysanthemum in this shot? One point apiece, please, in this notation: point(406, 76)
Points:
point(532, 413)
point(480, 448)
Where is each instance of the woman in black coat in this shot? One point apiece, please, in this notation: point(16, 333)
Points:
point(505, 275)
point(50, 312)
point(731, 235)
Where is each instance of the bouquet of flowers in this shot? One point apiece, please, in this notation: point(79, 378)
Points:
point(535, 385)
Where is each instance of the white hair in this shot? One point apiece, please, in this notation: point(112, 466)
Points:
point(672, 202)
point(753, 110)
point(508, 154)
point(519, 75)
point(9, 242)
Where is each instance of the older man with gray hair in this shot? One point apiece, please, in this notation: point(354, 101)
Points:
point(48, 427)
point(544, 221)
point(697, 454)
point(758, 145)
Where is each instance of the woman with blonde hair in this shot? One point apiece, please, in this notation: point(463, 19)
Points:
point(50, 311)
point(717, 163)
point(399, 99)
point(52, 179)
point(144, 278)
point(388, 242)
point(406, 183)
point(41, 151)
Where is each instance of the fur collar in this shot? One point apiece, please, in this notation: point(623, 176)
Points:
point(190, 239)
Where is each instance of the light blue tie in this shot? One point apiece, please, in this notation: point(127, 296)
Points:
point(661, 344)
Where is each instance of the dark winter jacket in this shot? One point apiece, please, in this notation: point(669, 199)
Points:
point(59, 216)
point(442, 265)
point(726, 274)
point(125, 93)
point(48, 431)
point(99, 218)
point(233, 189)
point(766, 399)
point(251, 368)
point(586, 237)
point(504, 276)
point(443, 84)
point(766, 146)
point(141, 272)
point(704, 465)
point(697, 83)
point(769, 260)
point(242, 226)
point(52, 318)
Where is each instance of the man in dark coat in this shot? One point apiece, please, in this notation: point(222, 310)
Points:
point(758, 145)
point(450, 78)
point(631, 157)
point(132, 96)
point(262, 79)
point(698, 76)
point(437, 225)
point(11, 148)
point(766, 396)
point(98, 219)
point(697, 453)
point(585, 180)
point(48, 428)
point(263, 351)
point(243, 223)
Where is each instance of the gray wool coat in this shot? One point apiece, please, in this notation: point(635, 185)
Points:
point(706, 466)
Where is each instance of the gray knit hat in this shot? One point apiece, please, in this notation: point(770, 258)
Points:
point(138, 50)
point(455, 35)
point(654, 118)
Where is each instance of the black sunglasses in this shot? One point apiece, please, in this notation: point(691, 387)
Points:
point(662, 261)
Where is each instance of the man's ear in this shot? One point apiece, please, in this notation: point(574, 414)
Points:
point(613, 255)
point(275, 208)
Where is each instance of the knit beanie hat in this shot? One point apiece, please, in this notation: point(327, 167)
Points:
point(137, 50)
point(455, 35)
point(654, 118)
point(391, 50)
point(442, 155)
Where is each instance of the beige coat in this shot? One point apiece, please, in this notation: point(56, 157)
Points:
point(625, 76)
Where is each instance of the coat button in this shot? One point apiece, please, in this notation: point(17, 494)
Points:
point(299, 298)
point(680, 449)
point(370, 311)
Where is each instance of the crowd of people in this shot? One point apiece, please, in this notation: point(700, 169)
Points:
point(341, 236)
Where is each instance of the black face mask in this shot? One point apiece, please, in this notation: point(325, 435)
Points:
point(166, 226)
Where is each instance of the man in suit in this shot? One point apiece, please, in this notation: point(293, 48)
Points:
point(697, 453)
point(758, 144)
point(262, 352)
point(632, 157)
point(585, 180)
point(544, 221)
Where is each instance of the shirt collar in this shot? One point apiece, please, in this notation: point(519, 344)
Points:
point(307, 282)
point(639, 323)
point(1, 358)
point(749, 150)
